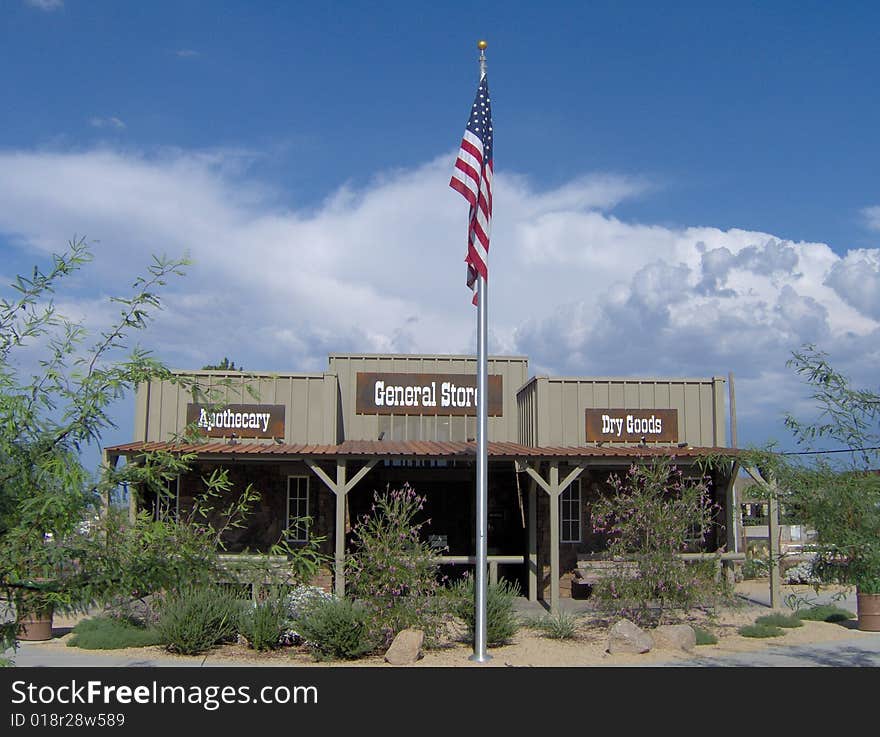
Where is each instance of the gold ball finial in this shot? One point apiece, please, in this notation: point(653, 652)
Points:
point(481, 45)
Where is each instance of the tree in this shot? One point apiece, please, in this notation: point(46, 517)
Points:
point(59, 545)
point(224, 365)
point(55, 398)
point(836, 493)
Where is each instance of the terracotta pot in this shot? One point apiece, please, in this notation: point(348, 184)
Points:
point(36, 625)
point(869, 611)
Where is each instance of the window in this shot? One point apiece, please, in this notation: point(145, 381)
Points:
point(298, 509)
point(570, 513)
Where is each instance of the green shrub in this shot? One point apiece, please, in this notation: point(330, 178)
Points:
point(111, 633)
point(559, 626)
point(501, 621)
point(780, 620)
point(824, 613)
point(335, 628)
point(760, 630)
point(264, 622)
point(704, 637)
point(195, 618)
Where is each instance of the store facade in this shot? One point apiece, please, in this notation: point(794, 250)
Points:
point(319, 445)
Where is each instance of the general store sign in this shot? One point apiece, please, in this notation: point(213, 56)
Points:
point(424, 394)
point(632, 425)
point(241, 420)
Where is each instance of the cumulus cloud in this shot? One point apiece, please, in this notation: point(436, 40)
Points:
point(381, 268)
point(856, 278)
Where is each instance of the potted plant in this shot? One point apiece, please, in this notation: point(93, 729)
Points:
point(37, 581)
point(843, 507)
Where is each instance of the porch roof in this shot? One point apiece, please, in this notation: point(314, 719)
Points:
point(417, 449)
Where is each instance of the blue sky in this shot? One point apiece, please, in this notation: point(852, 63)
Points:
point(682, 188)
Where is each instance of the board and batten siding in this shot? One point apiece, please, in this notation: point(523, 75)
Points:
point(552, 409)
point(354, 426)
point(309, 402)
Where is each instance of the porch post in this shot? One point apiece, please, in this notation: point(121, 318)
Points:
point(340, 492)
point(340, 489)
point(774, 554)
point(554, 537)
point(533, 541)
point(733, 512)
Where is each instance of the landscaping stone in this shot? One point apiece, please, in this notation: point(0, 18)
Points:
point(406, 648)
point(675, 637)
point(628, 637)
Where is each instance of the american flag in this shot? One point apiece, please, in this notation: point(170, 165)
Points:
point(472, 177)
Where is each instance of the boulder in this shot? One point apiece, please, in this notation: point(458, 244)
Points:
point(406, 648)
point(628, 637)
point(675, 637)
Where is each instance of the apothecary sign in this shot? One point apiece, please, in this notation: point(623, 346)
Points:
point(632, 425)
point(424, 394)
point(241, 420)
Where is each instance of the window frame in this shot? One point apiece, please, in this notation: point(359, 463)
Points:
point(565, 505)
point(301, 532)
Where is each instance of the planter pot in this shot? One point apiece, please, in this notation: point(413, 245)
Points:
point(35, 625)
point(869, 611)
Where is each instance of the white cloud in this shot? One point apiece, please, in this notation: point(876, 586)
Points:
point(872, 217)
point(47, 5)
point(186, 53)
point(856, 278)
point(111, 122)
point(382, 269)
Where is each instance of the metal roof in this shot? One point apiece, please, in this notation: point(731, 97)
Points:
point(415, 448)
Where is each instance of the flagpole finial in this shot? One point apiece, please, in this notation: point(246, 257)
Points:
point(481, 45)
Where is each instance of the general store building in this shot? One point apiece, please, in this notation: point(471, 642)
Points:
point(318, 445)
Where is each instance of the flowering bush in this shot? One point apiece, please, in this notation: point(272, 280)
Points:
point(650, 516)
point(392, 570)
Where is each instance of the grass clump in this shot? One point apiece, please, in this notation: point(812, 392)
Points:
point(559, 626)
point(111, 633)
point(824, 613)
point(704, 637)
point(760, 630)
point(786, 621)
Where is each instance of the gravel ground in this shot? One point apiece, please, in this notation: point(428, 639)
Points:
point(528, 648)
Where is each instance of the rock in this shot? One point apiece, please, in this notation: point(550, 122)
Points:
point(406, 648)
point(675, 637)
point(627, 637)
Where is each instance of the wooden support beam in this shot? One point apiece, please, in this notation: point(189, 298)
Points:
point(339, 557)
point(340, 488)
point(554, 488)
point(774, 556)
point(533, 541)
point(554, 538)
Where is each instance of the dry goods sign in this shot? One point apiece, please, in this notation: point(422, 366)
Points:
point(632, 425)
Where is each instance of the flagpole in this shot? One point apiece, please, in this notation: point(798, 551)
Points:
point(480, 655)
